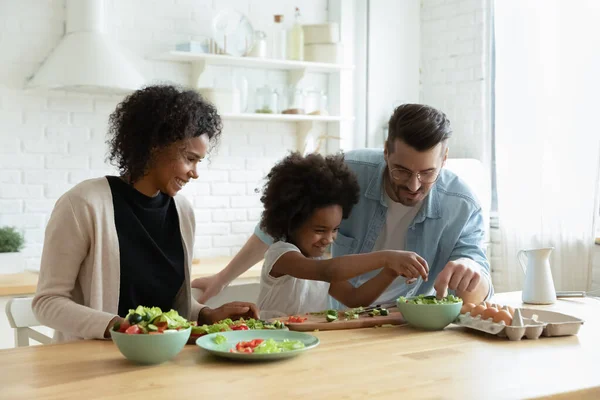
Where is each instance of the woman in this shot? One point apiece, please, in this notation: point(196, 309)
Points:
point(116, 242)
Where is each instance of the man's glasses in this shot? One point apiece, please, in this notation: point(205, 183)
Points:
point(403, 175)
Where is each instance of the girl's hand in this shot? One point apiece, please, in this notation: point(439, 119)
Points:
point(234, 310)
point(406, 264)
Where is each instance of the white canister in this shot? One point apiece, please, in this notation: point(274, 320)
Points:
point(325, 53)
point(321, 33)
point(259, 49)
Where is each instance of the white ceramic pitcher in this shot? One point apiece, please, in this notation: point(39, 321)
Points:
point(539, 285)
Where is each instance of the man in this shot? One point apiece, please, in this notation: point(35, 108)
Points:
point(407, 202)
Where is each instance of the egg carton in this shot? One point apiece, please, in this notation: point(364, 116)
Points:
point(535, 323)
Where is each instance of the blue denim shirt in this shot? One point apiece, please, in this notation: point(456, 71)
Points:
point(448, 226)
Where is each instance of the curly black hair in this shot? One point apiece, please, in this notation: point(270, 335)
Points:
point(297, 186)
point(153, 118)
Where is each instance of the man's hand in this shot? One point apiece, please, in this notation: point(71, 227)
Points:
point(234, 310)
point(463, 276)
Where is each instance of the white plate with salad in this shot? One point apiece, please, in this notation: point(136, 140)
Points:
point(255, 345)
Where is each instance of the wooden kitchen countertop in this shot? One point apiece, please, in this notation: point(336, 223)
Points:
point(25, 283)
point(397, 362)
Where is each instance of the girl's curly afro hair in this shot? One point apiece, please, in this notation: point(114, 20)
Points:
point(297, 186)
point(153, 118)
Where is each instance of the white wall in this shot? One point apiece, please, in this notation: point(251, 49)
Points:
point(393, 61)
point(50, 142)
point(596, 271)
point(455, 60)
point(455, 77)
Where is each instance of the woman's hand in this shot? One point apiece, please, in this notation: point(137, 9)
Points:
point(112, 323)
point(210, 286)
point(234, 310)
point(407, 264)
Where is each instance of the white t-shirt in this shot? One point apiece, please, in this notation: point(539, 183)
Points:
point(392, 237)
point(287, 295)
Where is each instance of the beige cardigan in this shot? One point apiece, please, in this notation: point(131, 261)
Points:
point(78, 286)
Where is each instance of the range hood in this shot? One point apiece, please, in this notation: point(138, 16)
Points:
point(86, 60)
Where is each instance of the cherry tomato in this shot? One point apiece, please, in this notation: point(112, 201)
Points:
point(296, 319)
point(124, 325)
point(133, 330)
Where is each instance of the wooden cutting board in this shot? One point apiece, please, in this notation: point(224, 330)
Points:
point(318, 322)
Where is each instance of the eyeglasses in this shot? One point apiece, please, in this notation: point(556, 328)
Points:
point(403, 175)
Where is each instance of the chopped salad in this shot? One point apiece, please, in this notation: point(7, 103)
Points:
point(146, 320)
point(422, 299)
point(230, 325)
point(152, 320)
point(261, 346)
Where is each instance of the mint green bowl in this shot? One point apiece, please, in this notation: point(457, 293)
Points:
point(151, 349)
point(431, 317)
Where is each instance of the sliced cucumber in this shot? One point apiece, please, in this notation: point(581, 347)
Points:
point(331, 318)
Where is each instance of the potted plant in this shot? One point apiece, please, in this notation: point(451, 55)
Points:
point(11, 243)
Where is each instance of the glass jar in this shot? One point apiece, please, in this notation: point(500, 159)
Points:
point(294, 101)
point(315, 102)
point(266, 100)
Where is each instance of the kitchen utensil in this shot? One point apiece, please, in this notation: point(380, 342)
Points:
point(539, 286)
point(233, 32)
point(319, 322)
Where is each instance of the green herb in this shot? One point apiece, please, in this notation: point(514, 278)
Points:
point(218, 339)
point(375, 313)
point(350, 315)
point(272, 346)
point(422, 299)
point(226, 324)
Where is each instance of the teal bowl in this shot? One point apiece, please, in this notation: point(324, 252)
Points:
point(431, 317)
point(151, 349)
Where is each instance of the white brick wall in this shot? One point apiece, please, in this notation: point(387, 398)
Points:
point(52, 141)
point(454, 70)
point(455, 62)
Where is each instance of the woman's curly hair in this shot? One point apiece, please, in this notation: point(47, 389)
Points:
point(297, 186)
point(153, 118)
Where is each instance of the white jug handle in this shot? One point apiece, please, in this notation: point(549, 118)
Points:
point(520, 256)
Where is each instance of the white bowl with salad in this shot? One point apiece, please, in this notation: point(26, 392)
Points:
point(151, 336)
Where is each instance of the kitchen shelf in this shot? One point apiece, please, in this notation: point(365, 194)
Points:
point(284, 117)
point(251, 62)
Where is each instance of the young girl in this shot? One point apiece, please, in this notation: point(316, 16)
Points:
point(305, 199)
